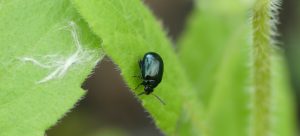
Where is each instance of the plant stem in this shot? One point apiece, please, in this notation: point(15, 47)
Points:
point(262, 49)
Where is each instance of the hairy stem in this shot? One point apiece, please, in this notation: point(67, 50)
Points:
point(262, 50)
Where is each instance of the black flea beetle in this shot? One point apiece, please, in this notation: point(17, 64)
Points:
point(152, 67)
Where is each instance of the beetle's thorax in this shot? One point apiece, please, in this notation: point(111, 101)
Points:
point(150, 83)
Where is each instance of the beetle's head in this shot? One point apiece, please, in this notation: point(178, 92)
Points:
point(148, 90)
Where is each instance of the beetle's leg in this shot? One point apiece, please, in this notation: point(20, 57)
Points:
point(141, 93)
point(139, 76)
point(140, 63)
point(140, 66)
point(139, 85)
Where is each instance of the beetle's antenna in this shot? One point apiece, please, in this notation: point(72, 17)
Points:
point(139, 77)
point(159, 99)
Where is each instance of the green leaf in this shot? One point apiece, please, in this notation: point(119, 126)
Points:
point(128, 31)
point(215, 51)
point(282, 118)
point(47, 51)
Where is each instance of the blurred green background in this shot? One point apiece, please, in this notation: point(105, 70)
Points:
point(110, 109)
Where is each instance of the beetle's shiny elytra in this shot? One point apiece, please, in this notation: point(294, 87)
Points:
point(152, 67)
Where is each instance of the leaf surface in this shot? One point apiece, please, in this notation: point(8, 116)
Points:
point(129, 31)
point(46, 53)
